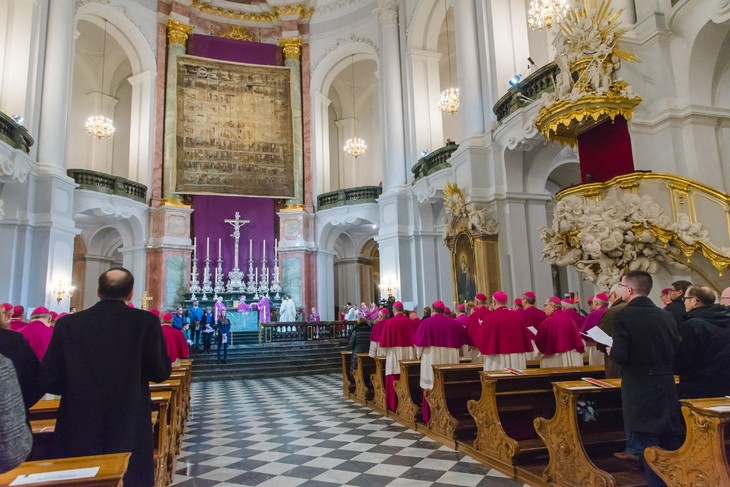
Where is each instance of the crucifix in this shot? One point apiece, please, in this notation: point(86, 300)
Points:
point(145, 297)
point(237, 224)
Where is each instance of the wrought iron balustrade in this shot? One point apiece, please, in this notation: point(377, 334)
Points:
point(434, 161)
point(300, 332)
point(14, 134)
point(108, 184)
point(350, 196)
point(527, 91)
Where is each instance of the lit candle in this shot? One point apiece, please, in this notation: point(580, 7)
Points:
point(264, 249)
point(276, 246)
point(195, 246)
point(250, 248)
point(219, 248)
point(257, 275)
point(207, 246)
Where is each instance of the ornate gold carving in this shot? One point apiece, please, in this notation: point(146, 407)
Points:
point(292, 47)
point(361, 389)
point(491, 439)
point(407, 409)
point(441, 421)
point(700, 461)
point(569, 464)
point(237, 33)
point(378, 384)
point(177, 32)
point(300, 11)
point(346, 384)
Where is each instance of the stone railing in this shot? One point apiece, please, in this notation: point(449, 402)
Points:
point(298, 332)
point(14, 134)
point(350, 196)
point(435, 161)
point(528, 91)
point(106, 183)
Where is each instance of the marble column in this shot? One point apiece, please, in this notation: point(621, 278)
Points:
point(467, 55)
point(177, 36)
point(394, 172)
point(292, 48)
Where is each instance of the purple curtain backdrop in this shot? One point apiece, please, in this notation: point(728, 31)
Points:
point(210, 211)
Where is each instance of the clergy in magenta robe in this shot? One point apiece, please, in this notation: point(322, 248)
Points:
point(600, 304)
point(438, 340)
point(243, 307)
point(396, 340)
point(502, 338)
point(558, 338)
point(533, 317)
point(38, 332)
point(476, 318)
point(568, 305)
point(177, 346)
point(264, 307)
point(17, 319)
point(375, 350)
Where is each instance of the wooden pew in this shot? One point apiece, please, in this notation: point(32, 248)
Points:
point(410, 394)
point(348, 383)
point(453, 387)
point(702, 459)
point(111, 470)
point(175, 422)
point(363, 384)
point(508, 405)
point(566, 438)
point(377, 378)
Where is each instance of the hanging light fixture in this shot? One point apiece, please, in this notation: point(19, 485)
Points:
point(546, 13)
point(449, 101)
point(355, 146)
point(98, 125)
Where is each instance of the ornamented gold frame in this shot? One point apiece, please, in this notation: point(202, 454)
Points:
point(485, 253)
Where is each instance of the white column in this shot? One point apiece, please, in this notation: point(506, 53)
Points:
point(427, 122)
point(325, 285)
point(394, 172)
point(135, 259)
point(56, 88)
point(467, 60)
point(140, 130)
point(321, 142)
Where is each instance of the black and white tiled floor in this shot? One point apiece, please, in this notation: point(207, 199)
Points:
point(300, 431)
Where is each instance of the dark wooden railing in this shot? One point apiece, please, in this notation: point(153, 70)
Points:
point(530, 88)
point(350, 196)
point(14, 134)
point(106, 183)
point(300, 332)
point(435, 161)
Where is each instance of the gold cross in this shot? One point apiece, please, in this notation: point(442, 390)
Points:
point(145, 297)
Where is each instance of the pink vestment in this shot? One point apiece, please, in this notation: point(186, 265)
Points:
point(39, 336)
point(177, 346)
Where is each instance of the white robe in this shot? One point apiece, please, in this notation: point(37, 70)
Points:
point(375, 350)
point(287, 312)
point(571, 358)
point(501, 361)
point(393, 356)
point(435, 356)
point(595, 357)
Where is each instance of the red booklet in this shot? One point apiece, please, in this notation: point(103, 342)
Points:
point(598, 383)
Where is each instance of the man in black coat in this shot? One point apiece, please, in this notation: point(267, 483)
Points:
point(645, 341)
point(101, 361)
point(676, 306)
point(703, 358)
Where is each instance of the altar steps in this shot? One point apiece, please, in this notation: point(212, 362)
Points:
point(283, 359)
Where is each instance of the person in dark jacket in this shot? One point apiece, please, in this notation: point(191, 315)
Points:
point(703, 358)
point(676, 306)
point(223, 327)
point(645, 341)
point(359, 341)
point(101, 361)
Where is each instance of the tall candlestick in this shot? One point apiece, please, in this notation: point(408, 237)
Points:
point(276, 246)
point(250, 248)
point(195, 246)
point(257, 274)
point(264, 249)
point(219, 248)
point(207, 246)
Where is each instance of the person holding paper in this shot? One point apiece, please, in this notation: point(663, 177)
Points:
point(617, 298)
point(558, 339)
point(645, 342)
point(703, 358)
point(502, 338)
point(600, 306)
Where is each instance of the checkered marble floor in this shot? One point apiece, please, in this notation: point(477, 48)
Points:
point(299, 431)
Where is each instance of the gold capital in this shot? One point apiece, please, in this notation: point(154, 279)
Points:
point(292, 47)
point(177, 32)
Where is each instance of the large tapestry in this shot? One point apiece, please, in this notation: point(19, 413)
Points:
point(234, 129)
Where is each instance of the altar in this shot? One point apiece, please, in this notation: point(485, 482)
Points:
point(244, 320)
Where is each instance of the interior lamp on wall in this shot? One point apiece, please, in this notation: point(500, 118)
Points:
point(355, 146)
point(449, 101)
point(63, 291)
point(547, 13)
point(98, 125)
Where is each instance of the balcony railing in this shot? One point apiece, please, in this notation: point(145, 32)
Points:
point(14, 134)
point(350, 196)
point(106, 183)
point(435, 161)
point(530, 88)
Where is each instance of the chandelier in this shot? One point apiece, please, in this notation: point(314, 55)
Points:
point(449, 101)
point(546, 13)
point(98, 125)
point(355, 146)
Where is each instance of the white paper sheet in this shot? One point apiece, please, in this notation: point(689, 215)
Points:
point(532, 329)
point(76, 473)
point(599, 336)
